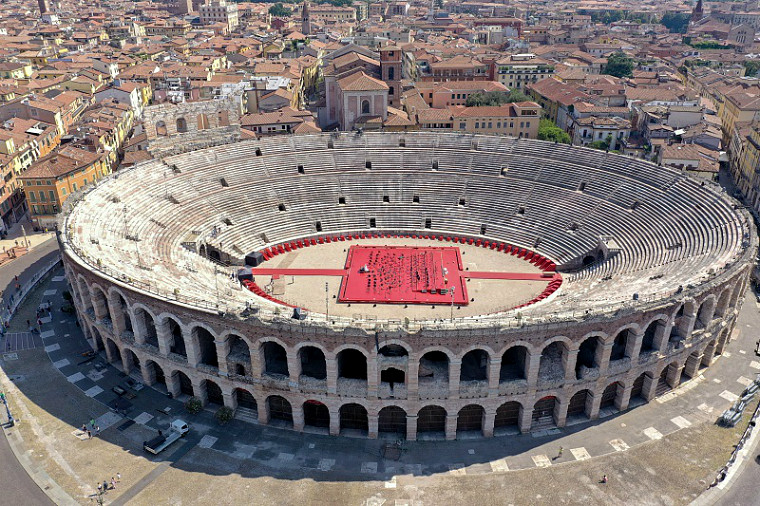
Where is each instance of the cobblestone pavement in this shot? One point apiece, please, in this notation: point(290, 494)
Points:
point(665, 451)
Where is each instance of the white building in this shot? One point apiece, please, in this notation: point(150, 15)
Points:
point(219, 11)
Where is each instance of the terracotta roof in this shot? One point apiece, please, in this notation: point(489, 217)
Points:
point(361, 82)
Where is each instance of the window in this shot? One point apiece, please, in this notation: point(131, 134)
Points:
point(462, 202)
point(391, 73)
point(386, 199)
point(372, 223)
point(52, 196)
point(416, 199)
point(463, 126)
point(341, 201)
point(300, 169)
point(32, 197)
point(42, 196)
point(63, 191)
point(428, 223)
point(390, 91)
point(318, 226)
point(477, 124)
point(85, 181)
point(365, 106)
point(74, 186)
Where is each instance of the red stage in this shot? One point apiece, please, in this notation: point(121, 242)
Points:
point(403, 275)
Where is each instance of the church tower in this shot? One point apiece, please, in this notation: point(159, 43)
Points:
point(698, 13)
point(305, 21)
point(390, 71)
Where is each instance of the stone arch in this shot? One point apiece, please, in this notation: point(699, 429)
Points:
point(545, 412)
point(161, 130)
point(431, 419)
point(155, 372)
point(181, 124)
point(721, 308)
point(84, 293)
point(736, 293)
point(433, 369)
point(392, 346)
point(279, 410)
point(475, 365)
point(612, 395)
point(580, 403)
point(392, 420)
point(274, 359)
point(113, 351)
point(653, 334)
point(99, 299)
point(637, 388)
point(244, 400)
point(313, 362)
point(678, 326)
point(204, 341)
point(353, 417)
point(185, 384)
point(508, 415)
point(352, 363)
point(173, 329)
point(316, 414)
point(514, 363)
point(131, 361)
point(470, 419)
point(213, 392)
point(705, 312)
point(146, 324)
point(622, 342)
point(589, 356)
point(99, 345)
point(238, 355)
point(552, 362)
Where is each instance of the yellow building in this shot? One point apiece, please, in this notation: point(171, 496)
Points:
point(519, 119)
point(737, 108)
point(15, 70)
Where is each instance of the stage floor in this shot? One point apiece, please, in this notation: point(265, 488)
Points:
point(404, 275)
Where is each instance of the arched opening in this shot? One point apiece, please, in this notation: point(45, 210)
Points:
point(543, 413)
point(508, 417)
point(113, 351)
point(653, 330)
point(474, 366)
point(85, 295)
point(313, 364)
point(637, 389)
point(275, 359)
point(620, 345)
point(239, 356)
point(352, 364)
point(609, 394)
point(100, 300)
point(470, 419)
point(123, 310)
point(202, 122)
point(206, 346)
point(588, 260)
point(246, 403)
point(587, 357)
point(185, 385)
point(392, 376)
point(148, 325)
point(704, 314)
point(677, 334)
point(280, 411)
point(365, 107)
point(316, 414)
point(353, 418)
point(393, 351)
point(392, 420)
point(213, 393)
point(161, 129)
point(176, 341)
point(664, 384)
point(551, 367)
point(434, 370)
point(579, 403)
point(721, 307)
point(431, 419)
point(513, 364)
point(135, 363)
point(181, 125)
point(155, 372)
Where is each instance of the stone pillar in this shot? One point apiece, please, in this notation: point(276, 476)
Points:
point(691, 320)
point(633, 346)
point(373, 377)
point(560, 412)
point(117, 317)
point(148, 374)
point(138, 326)
point(722, 341)
point(411, 427)
point(230, 400)
point(494, 371)
point(193, 349)
point(126, 360)
point(532, 366)
point(593, 403)
point(372, 418)
point(606, 352)
point(263, 412)
point(222, 350)
point(649, 389)
point(99, 306)
point(412, 381)
point(569, 359)
point(256, 364)
point(526, 419)
point(164, 337)
point(451, 426)
point(692, 365)
point(334, 421)
point(455, 369)
point(661, 337)
point(199, 391)
point(708, 357)
point(294, 370)
point(298, 420)
point(488, 423)
point(331, 364)
point(623, 397)
point(674, 376)
point(172, 385)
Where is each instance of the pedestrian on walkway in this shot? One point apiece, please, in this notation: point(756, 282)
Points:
point(84, 427)
point(89, 434)
point(604, 479)
point(100, 487)
point(560, 451)
point(105, 485)
point(118, 477)
point(92, 423)
point(113, 483)
point(97, 430)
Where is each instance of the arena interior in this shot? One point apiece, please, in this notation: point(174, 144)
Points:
point(421, 285)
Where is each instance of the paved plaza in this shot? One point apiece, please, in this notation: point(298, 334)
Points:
point(666, 452)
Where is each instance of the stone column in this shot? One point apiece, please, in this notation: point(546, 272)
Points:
point(451, 426)
point(674, 376)
point(373, 377)
point(708, 357)
point(722, 341)
point(623, 397)
point(263, 412)
point(526, 419)
point(532, 366)
point(164, 336)
point(172, 385)
point(606, 352)
point(488, 423)
point(412, 380)
point(148, 374)
point(692, 365)
point(334, 421)
point(256, 364)
point(411, 427)
point(298, 420)
point(99, 306)
point(661, 337)
point(649, 389)
point(199, 391)
point(117, 318)
point(633, 346)
point(126, 360)
point(560, 412)
point(593, 403)
point(230, 400)
point(331, 364)
point(494, 371)
point(140, 330)
point(193, 349)
point(372, 418)
point(222, 350)
point(691, 320)
point(569, 359)
point(455, 369)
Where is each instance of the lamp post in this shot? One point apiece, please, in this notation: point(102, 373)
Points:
point(327, 300)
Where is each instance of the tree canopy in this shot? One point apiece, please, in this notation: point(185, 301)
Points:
point(279, 10)
point(496, 98)
point(676, 22)
point(548, 131)
point(619, 65)
point(752, 67)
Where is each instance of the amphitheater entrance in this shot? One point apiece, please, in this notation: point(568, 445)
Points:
point(513, 364)
point(316, 415)
point(177, 343)
point(609, 396)
point(392, 421)
point(185, 385)
point(637, 390)
point(544, 413)
point(239, 356)
point(275, 359)
point(433, 374)
point(470, 421)
point(578, 406)
point(507, 419)
point(206, 346)
point(280, 411)
point(474, 366)
point(313, 364)
point(431, 422)
point(551, 368)
point(246, 403)
point(213, 393)
point(667, 380)
point(588, 360)
point(145, 322)
point(353, 420)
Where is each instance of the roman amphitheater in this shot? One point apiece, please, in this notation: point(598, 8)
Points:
point(419, 285)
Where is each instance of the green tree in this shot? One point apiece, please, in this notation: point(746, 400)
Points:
point(619, 65)
point(752, 67)
point(676, 22)
point(548, 131)
point(602, 145)
point(496, 98)
point(279, 10)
